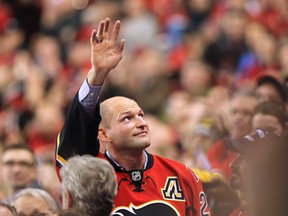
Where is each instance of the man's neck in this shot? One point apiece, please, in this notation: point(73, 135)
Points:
point(130, 161)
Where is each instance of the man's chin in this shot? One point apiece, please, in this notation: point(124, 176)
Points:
point(145, 144)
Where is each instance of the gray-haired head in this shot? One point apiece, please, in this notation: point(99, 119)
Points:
point(92, 184)
point(38, 193)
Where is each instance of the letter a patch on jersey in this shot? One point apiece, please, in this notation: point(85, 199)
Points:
point(172, 190)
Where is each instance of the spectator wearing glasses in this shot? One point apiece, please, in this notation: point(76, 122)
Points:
point(18, 169)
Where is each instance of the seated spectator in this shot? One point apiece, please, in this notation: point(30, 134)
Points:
point(236, 181)
point(238, 165)
point(271, 116)
point(238, 119)
point(33, 201)
point(264, 156)
point(270, 88)
point(7, 210)
point(18, 169)
point(89, 185)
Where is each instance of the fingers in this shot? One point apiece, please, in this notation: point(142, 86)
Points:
point(102, 34)
point(115, 31)
point(93, 36)
point(100, 28)
point(106, 28)
point(102, 31)
point(103, 28)
point(121, 45)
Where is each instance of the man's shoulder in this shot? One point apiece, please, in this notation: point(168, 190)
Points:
point(173, 164)
point(175, 168)
point(167, 160)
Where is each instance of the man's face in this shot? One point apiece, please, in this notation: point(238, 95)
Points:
point(267, 123)
point(127, 128)
point(18, 168)
point(241, 109)
point(268, 92)
point(236, 178)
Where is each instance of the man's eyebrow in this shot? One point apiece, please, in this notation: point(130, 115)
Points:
point(124, 113)
point(129, 111)
point(15, 160)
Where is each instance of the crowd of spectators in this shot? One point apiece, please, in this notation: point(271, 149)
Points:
point(185, 62)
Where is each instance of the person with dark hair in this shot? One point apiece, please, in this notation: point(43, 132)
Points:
point(235, 182)
point(147, 184)
point(271, 116)
point(88, 185)
point(7, 210)
point(238, 165)
point(259, 173)
point(270, 88)
point(18, 169)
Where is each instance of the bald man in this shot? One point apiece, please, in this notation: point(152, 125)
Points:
point(147, 184)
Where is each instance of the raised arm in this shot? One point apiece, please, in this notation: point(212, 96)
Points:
point(105, 52)
point(80, 130)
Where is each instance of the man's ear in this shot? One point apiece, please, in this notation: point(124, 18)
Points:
point(67, 201)
point(103, 135)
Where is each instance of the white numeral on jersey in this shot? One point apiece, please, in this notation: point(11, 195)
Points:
point(203, 202)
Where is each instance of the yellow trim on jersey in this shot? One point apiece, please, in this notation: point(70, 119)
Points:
point(58, 142)
point(60, 159)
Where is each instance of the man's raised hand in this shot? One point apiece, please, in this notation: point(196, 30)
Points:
point(105, 52)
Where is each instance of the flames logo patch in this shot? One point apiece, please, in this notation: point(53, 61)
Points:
point(155, 208)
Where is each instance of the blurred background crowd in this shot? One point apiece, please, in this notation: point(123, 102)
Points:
point(196, 67)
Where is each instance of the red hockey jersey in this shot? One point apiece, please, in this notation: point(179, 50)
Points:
point(164, 187)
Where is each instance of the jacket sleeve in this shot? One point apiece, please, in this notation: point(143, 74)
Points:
point(78, 135)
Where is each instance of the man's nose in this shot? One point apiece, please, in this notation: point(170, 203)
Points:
point(16, 167)
point(234, 163)
point(141, 122)
point(239, 114)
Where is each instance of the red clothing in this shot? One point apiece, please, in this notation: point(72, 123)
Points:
point(163, 190)
point(163, 187)
point(220, 158)
point(275, 21)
